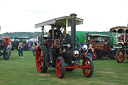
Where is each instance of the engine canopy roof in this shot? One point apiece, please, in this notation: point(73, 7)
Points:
point(60, 21)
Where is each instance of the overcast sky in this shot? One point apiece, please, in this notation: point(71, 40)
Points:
point(98, 15)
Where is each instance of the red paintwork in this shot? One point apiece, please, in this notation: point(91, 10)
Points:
point(6, 41)
point(39, 59)
point(59, 70)
point(94, 55)
point(82, 55)
point(120, 58)
point(9, 39)
point(87, 67)
point(52, 43)
point(77, 66)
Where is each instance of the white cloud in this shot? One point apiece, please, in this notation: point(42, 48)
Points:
point(98, 15)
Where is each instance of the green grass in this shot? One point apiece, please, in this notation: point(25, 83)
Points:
point(22, 71)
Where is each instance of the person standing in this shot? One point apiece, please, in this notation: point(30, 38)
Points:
point(9, 47)
point(89, 51)
point(29, 46)
point(20, 50)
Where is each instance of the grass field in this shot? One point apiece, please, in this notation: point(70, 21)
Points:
point(22, 71)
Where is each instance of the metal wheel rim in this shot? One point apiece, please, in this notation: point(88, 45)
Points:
point(120, 57)
point(58, 67)
point(86, 63)
point(94, 56)
point(39, 60)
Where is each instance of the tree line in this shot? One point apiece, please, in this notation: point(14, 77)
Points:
point(19, 34)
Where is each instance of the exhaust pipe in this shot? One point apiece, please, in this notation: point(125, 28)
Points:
point(73, 29)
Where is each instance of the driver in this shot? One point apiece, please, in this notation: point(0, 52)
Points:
point(50, 33)
point(58, 32)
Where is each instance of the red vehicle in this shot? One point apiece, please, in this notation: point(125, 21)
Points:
point(6, 40)
point(5, 47)
point(61, 52)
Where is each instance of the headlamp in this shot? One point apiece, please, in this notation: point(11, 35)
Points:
point(75, 53)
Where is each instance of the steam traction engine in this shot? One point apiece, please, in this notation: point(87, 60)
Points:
point(120, 34)
point(5, 49)
point(61, 52)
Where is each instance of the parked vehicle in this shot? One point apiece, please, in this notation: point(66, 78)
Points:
point(101, 45)
point(81, 36)
point(61, 52)
point(5, 48)
point(120, 34)
point(8, 39)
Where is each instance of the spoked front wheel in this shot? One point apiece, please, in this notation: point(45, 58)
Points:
point(88, 67)
point(120, 56)
point(60, 67)
point(40, 60)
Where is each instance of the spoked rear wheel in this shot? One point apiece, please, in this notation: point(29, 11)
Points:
point(40, 60)
point(60, 67)
point(120, 56)
point(6, 54)
point(88, 67)
point(94, 55)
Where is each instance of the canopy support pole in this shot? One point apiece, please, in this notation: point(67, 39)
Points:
point(42, 35)
point(66, 26)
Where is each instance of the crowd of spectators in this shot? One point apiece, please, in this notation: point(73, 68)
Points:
point(26, 45)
